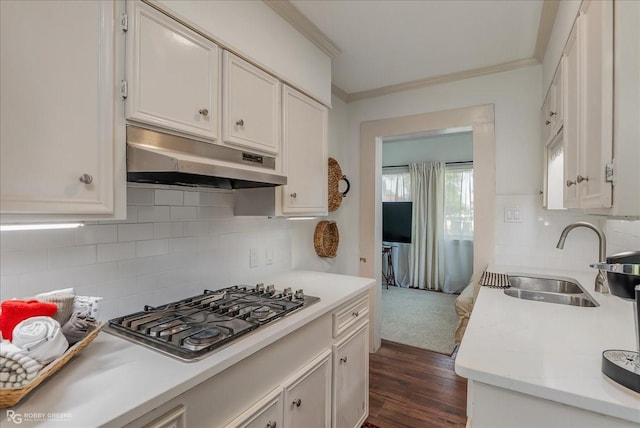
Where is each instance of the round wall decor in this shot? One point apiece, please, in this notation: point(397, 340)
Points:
point(326, 238)
point(335, 176)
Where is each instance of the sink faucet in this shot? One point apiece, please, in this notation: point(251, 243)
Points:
point(601, 279)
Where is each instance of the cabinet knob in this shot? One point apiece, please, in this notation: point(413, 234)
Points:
point(297, 402)
point(86, 179)
point(570, 183)
point(294, 195)
point(580, 179)
point(552, 113)
point(546, 122)
point(355, 314)
point(271, 424)
point(240, 122)
point(343, 359)
point(203, 111)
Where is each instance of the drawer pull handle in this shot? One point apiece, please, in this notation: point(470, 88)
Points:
point(203, 111)
point(343, 359)
point(86, 179)
point(240, 122)
point(570, 183)
point(297, 402)
point(580, 179)
point(355, 314)
point(552, 113)
point(294, 195)
point(271, 424)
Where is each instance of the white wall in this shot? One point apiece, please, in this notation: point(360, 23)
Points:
point(438, 148)
point(517, 96)
point(173, 244)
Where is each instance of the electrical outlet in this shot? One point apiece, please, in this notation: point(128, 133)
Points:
point(253, 258)
point(268, 256)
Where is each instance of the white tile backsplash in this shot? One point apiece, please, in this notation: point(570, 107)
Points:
point(174, 243)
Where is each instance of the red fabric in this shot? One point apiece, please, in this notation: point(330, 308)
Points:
point(15, 311)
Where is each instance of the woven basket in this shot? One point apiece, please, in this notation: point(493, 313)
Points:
point(11, 397)
point(335, 176)
point(326, 239)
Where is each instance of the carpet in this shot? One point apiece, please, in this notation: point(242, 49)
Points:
point(420, 318)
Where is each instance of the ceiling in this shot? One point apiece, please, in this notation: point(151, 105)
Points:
point(390, 42)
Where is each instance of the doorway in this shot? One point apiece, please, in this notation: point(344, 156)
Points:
point(480, 119)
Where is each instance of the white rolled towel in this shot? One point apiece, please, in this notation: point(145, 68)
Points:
point(40, 338)
point(16, 369)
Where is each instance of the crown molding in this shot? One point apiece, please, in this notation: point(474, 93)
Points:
point(438, 80)
point(547, 18)
point(289, 13)
point(338, 92)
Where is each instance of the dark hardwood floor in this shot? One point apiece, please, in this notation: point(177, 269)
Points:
point(415, 388)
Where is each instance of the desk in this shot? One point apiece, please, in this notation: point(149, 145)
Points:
point(388, 274)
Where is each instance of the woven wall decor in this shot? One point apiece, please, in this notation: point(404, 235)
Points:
point(326, 239)
point(335, 176)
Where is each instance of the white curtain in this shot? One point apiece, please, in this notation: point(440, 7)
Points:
point(458, 227)
point(427, 249)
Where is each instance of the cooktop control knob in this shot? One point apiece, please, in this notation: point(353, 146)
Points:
point(299, 294)
point(287, 291)
point(260, 287)
point(271, 289)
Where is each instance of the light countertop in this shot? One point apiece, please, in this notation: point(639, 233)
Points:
point(550, 351)
point(114, 381)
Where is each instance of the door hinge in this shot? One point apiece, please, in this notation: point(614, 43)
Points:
point(609, 175)
point(124, 22)
point(124, 89)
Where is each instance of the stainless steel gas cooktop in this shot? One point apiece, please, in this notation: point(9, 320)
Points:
point(192, 328)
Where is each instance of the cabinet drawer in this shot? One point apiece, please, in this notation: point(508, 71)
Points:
point(349, 314)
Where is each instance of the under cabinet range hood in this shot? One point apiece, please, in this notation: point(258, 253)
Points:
point(156, 157)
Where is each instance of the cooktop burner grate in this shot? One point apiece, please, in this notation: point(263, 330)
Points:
point(193, 327)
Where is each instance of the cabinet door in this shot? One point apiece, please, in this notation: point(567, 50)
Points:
point(571, 108)
point(351, 379)
point(267, 413)
point(304, 155)
point(307, 401)
point(173, 74)
point(251, 106)
point(57, 107)
point(596, 122)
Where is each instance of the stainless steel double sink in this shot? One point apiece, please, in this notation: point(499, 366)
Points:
point(564, 291)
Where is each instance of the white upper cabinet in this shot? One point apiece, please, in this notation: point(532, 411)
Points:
point(571, 104)
point(595, 149)
point(552, 108)
point(173, 74)
point(304, 157)
point(585, 113)
point(251, 106)
point(58, 151)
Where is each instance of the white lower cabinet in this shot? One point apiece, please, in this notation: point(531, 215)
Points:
point(307, 395)
point(266, 413)
point(310, 378)
point(176, 418)
point(351, 379)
